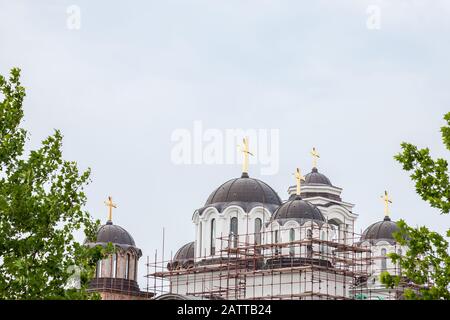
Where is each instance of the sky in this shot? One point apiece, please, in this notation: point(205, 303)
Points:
point(353, 78)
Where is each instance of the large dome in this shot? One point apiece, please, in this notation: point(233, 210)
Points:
point(298, 209)
point(315, 177)
point(382, 230)
point(244, 189)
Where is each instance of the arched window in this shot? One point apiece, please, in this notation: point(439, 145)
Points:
point(213, 237)
point(383, 259)
point(234, 232)
point(127, 267)
point(322, 245)
point(291, 239)
point(276, 240)
point(99, 268)
point(200, 236)
point(135, 269)
point(114, 266)
point(258, 228)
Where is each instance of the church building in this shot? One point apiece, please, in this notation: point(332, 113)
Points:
point(250, 244)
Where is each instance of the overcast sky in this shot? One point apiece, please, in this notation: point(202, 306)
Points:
point(134, 72)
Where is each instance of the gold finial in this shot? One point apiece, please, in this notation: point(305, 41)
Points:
point(110, 205)
point(315, 156)
point(299, 178)
point(244, 149)
point(386, 201)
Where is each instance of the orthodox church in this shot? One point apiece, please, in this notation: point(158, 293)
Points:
point(249, 244)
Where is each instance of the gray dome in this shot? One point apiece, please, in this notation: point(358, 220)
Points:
point(315, 177)
point(115, 234)
point(184, 258)
point(244, 189)
point(298, 209)
point(186, 252)
point(381, 230)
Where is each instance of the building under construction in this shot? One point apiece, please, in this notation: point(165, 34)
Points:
point(251, 245)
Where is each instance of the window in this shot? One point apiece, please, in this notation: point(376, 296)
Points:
point(291, 239)
point(114, 266)
point(135, 268)
point(213, 237)
point(200, 240)
point(309, 252)
point(322, 246)
point(127, 267)
point(309, 233)
point(258, 227)
point(276, 240)
point(99, 268)
point(383, 259)
point(234, 232)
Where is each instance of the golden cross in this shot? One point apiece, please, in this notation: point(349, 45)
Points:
point(315, 156)
point(246, 153)
point(110, 205)
point(299, 178)
point(386, 201)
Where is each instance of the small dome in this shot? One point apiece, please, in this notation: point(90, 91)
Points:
point(244, 189)
point(298, 209)
point(186, 252)
point(184, 258)
point(315, 177)
point(115, 234)
point(381, 230)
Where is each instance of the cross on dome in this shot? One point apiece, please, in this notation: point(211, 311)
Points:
point(315, 155)
point(246, 152)
point(386, 201)
point(110, 205)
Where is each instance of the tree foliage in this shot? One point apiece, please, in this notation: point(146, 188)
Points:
point(430, 176)
point(426, 262)
point(41, 205)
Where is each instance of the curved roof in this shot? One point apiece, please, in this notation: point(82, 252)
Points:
point(381, 230)
point(115, 234)
point(315, 177)
point(298, 209)
point(186, 252)
point(183, 258)
point(245, 192)
point(244, 189)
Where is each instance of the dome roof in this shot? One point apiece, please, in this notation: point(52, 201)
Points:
point(381, 230)
point(184, 258)
point(298, 209)
point(244, 189)
point(115, 234)
point(186, 252)
point(315, 177)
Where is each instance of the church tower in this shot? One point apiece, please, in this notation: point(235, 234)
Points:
point(116, 275)
point(318, 190)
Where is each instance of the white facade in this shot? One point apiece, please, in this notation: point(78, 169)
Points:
point(329, 271)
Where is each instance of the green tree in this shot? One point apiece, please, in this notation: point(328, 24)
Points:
point(427, 261)
point(41, 205)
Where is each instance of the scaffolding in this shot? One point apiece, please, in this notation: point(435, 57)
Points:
point(307, 268)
